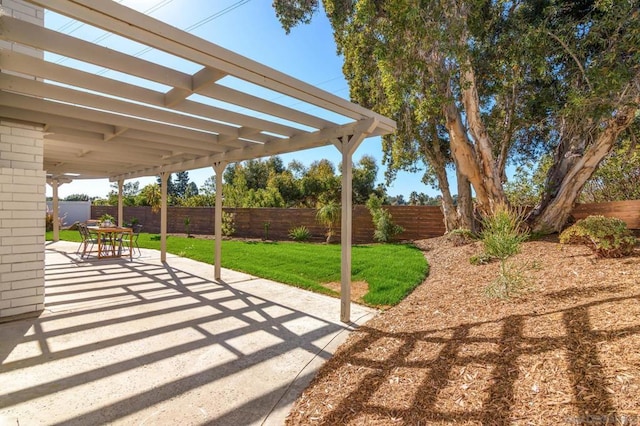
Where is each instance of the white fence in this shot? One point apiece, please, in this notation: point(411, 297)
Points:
point(72, 211)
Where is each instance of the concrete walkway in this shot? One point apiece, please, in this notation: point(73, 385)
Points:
point(147, 343)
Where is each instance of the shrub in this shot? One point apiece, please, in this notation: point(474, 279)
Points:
point(606, 236)
point(385, 229)
point(107, 218)
point(503, 232)
point(48, 221)
point(461, 237)
point(228, 224)
point(187, 226)
point(328, 214)
point(480, 259)
point(511, 281)
point(299, 233)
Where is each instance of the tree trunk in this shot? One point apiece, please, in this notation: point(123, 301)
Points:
point(574, 164)
point(447, 206)
point(465, 203)
point(487, 163)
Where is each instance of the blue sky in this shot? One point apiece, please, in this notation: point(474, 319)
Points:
point(250, 28)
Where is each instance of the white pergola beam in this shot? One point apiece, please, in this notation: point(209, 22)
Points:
point(174, 99)
point(137, 26)
point(295, 143)
point(52, 41)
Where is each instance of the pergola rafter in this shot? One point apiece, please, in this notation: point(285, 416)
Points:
point(119, 128)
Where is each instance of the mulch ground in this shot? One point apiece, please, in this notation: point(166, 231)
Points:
point(567, 351)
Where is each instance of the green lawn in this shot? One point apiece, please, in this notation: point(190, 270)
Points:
point(391, 270)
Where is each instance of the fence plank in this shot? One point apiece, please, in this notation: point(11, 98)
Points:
point(419, 222)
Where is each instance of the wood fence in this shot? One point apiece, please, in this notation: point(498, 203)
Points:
point(418, 221)
point(629, 211)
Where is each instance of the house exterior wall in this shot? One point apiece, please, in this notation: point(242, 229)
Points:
point(22, 199)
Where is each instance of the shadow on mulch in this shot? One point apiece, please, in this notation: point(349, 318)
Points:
point(590, 400)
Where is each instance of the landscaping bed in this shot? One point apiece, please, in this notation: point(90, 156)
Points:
point(564, 352)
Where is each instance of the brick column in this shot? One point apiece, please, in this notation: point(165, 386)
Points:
point(22, 199)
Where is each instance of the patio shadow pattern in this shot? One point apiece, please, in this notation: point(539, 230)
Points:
point(160, 343)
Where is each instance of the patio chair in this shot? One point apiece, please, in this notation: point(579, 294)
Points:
point(88, 241)
point(125, 241)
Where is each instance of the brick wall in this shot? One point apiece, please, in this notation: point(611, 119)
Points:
point(22, 199)
point(22, 203)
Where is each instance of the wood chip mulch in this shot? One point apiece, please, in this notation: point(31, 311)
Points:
point(567, 351)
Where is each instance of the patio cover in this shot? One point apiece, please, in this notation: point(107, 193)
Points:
point(99, 127)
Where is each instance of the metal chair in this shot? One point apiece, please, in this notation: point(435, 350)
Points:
point(125, 241)
point(87, 240)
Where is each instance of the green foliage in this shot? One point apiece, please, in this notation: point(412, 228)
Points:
point(606, 236)
point(525, 188)
point(299, 233)
point(187, 225)
point(130, 191)
point(520, 79)
point(107, 218)
point(480, 259)
point(329, 215)
point(503, 232)
point(132, 222)
point(461, 237)
point(77, 197)
point(384, 228)
point(266, 227)
point(228, 224)
point(616, 178)
point(199, 200)
point(364, 179)
point(151, 196)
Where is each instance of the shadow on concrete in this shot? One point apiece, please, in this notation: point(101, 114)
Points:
point(150, 341)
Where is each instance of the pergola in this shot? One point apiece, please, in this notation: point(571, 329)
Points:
point(98, 127)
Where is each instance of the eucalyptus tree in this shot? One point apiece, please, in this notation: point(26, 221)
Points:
point(478, 83)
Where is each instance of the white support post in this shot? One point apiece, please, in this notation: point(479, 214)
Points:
point(347, 146)
point(120, 204)
point(345, 236)
point(218, 168)
point(164, 178)
point(56, 210)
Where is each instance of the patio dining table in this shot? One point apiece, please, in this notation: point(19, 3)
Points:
point(110, 240)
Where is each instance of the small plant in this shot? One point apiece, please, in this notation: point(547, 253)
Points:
point(385, 229)
point(228, 224)
point(266, 227)
point(132, 222)
point(461, 237)
point(329, 215)
point(48, 219)
point(502, 234)
point(480, 259)
point(107, 218)
point(606, 236)
point(187, 226)
point(299, 233)
point(511, 281)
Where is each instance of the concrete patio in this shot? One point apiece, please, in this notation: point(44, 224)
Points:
point(147, 342)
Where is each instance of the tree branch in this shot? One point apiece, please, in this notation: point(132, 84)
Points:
point(575, 58)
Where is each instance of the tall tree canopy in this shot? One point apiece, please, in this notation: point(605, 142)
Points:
point(477, 84)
